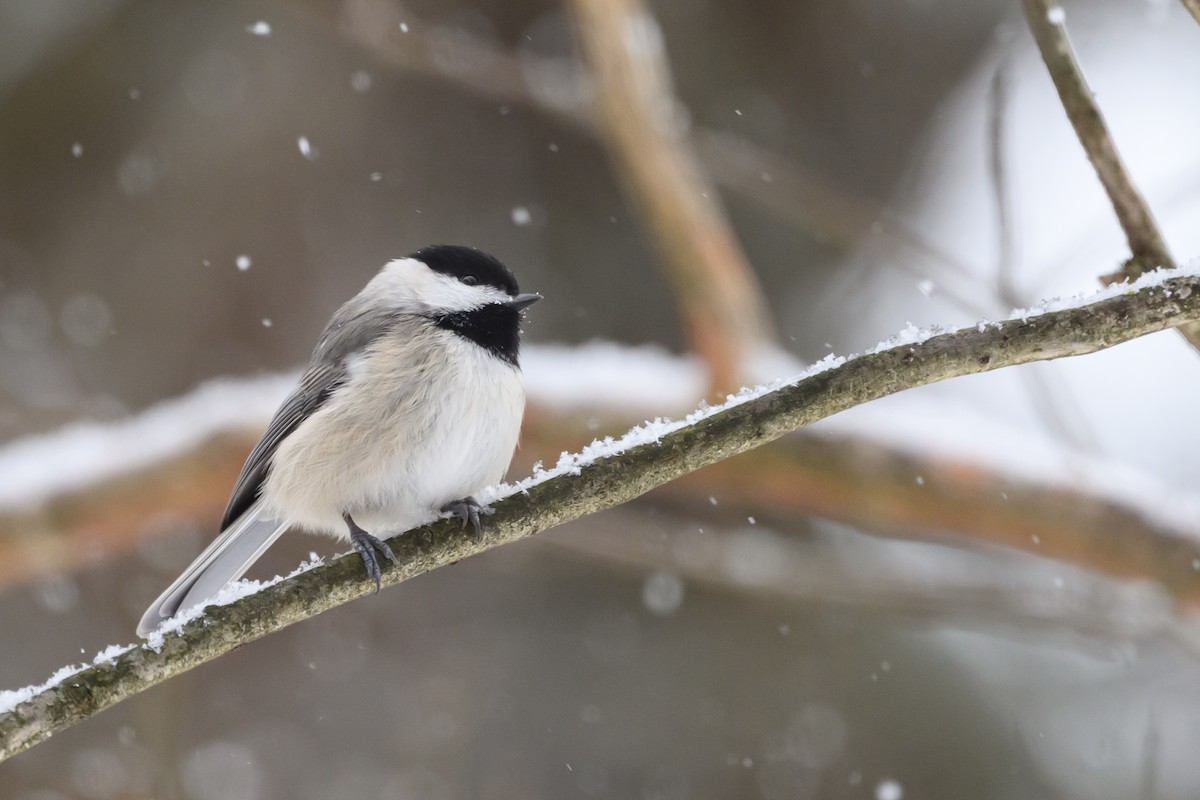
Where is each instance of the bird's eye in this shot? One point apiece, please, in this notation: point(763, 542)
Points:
point(469, 280)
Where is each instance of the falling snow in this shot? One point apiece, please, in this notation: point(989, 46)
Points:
point(889, 790)
point(662, 593)
point(259, 28)
point(360, 82)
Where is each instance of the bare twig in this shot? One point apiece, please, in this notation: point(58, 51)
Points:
point(1046, 21)
point(633, 470)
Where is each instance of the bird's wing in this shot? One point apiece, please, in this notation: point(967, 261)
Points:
point(314, 389)
point(350, 331)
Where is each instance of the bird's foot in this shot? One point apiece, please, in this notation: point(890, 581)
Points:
point(366, 546)
point(467, 510)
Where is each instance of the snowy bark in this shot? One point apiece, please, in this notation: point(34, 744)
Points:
point(624, 475)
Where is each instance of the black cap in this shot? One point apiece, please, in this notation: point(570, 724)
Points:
point(458, 262)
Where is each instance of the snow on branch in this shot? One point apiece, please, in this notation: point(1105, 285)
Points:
point(614, 471)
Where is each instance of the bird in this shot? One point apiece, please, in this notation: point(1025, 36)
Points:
point(410, 405)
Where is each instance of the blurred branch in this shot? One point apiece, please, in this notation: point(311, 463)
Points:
point(978, 588)
point(469, 63)
point(457, 57)
point(853, 479)
point(834, 215)
point(76, 529)
point(724, 311)
point(1006, 288)
point(870, 487)
point(1193, 7)
point(632, 469)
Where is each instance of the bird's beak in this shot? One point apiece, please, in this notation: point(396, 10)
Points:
point(522, 301)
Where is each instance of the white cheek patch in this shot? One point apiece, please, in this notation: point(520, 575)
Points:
point(409, 284)
point(451, 294)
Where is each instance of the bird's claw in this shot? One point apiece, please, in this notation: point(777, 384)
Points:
point(366, 546)
point(467, 511)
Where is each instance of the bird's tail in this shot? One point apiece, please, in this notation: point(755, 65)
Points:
point(223, 561)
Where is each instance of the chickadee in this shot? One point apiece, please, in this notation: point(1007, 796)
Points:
point(411, 403)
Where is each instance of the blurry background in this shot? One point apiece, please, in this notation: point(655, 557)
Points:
point(187, 190)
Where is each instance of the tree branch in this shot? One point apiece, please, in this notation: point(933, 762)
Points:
point(641, 461)
point(1148, 248)
point(1146, 243)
